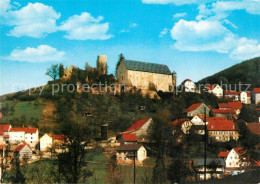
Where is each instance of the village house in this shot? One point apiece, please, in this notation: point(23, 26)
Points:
point(235, 160)
point(214, 168)
point(197, 109)
point(45, 142)
point(4, 134)
point(140, 129)
point(128, 138)
point(255, 95)
point(188, 86)
point(222, 130)
point(126, 153)
point(183, 124)
point(215, 90)
point(225, 113)
point(23, 152)
point(244, 96)
point(236, 106)
point(146, 76)
point(29, 135)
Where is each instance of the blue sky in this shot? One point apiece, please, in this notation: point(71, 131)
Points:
point(195, 38)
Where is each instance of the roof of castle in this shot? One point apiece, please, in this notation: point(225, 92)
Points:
point(147, 67)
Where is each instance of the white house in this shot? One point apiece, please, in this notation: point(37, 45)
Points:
point(29, 135)
point(4, 134)
point(188, 86)
point(255, 95)
point(216, 90)
point(245, 97)
point(197, 109)
point(23, 152)
point(126, 153)
point(234, 160)
point(140, 128)
point(45, 142)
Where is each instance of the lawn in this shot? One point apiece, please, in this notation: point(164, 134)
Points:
point(28, 109)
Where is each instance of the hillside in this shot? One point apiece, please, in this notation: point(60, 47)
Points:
point(247, 72)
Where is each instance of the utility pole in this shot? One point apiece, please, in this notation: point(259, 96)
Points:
point(205, 145)
point(134, 166)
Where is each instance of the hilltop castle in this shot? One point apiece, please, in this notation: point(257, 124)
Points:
point(146, 76)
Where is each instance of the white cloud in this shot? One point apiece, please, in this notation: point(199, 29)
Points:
point(43, 53)
point(133, 25)
point(4, 7)
point(178, 15)
point(85, 27)
point(211, 35)
point(226, 21)
point(34, 20)
point(246, 51)
point(163, 32)
point(201, 36)
point(176, 2)
point(221, 9)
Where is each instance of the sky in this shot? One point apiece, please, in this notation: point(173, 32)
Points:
point(195, 38)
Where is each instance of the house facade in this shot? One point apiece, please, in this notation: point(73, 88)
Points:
point(215, 90)
point(140, 129)
point(126, 153)
point(146, 76)
point(45, 142)
point(188, 86)
point(222, 130)
point(197, 109)
point(4, 134)
point(235, 160)
point(29, 135)
point(214, 168)
point(23, 152)
point(255, 95)
point(225, 113)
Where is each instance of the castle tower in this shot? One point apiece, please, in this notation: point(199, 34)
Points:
point(174, 78)
point(102, 64)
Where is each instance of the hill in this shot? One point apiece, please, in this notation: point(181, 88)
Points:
point(247, 72)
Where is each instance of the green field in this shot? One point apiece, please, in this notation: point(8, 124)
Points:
point(24, 109)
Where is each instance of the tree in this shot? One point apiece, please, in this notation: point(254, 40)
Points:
point(53, 71)
point(121, 58)
point(71, 162)
point(114, 173)
point(61, 71)
point(19, 177)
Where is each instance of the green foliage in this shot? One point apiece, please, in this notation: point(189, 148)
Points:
point(248, 113)
point(121, 58)
point(247, 72)
point(53, 71)
point(61, 70)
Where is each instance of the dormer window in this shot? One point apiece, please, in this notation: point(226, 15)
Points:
point(233, 126)
point(211, 127)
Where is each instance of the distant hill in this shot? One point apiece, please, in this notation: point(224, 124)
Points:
point(247, 72)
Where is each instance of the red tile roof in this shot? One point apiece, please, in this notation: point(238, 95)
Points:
point(216, 118)
point(129, 137)
point(223, 106)
point(258, 109)
point(224, 111)
point(239, 151)
point(223, 154)
point(210, 87)
point(256, 90)
point(1, 147)
point(235, 105)
point(59, 137)
point(193, 107)
point(24, 129)
point(4, 128)
point(231, 92)
point(138, 124)
point(248, 93)
point(179, 122)
point(19, 148)
point(185, 81)
point(221, 125)
point(256, 164)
